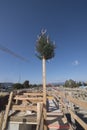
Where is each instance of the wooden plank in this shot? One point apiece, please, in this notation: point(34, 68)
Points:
point(38, 112)
point(35, 101)
point(50, 97)
point(1, 119)
point(64, 119)
point(39, 116)
point(7, 111)
point(81, 122)
point(54, 114)
point(24, 108)
point(61, 94)
point(28, 98)
point(33, 94)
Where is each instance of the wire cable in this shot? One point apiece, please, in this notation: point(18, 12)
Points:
point(7, 50)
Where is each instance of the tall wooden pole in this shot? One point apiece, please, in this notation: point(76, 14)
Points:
point(44, 91)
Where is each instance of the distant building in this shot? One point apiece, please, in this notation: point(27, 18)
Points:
point(5, 86)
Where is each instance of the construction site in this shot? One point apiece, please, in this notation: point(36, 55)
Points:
point(64, 110)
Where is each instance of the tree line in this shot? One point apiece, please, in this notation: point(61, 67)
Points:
point(24, 85)
point(73, 84)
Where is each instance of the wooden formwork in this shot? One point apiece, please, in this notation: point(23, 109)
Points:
point(32, 102)
point(67, 104)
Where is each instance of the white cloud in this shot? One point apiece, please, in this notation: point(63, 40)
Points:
point(76, 63)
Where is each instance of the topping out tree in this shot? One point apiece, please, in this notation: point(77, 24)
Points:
point(45, 51)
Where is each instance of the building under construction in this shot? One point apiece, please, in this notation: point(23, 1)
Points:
point(24, 111)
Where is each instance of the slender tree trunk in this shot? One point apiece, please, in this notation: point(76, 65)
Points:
point(44, 91)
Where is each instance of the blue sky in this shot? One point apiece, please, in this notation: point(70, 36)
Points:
point(66, 24)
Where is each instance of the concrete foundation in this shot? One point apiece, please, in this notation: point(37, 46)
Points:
point(16, 126)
